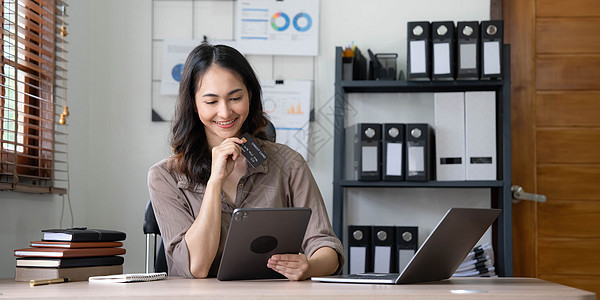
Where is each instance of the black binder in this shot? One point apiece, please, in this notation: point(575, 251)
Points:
point(366, 138)
point(418, 51)
point(393, 164)
point(443, 41)
point(467, 58)
point(407, 238)
point(383, 239)
point(359, 249)
point(492, 40)
point(419, 144)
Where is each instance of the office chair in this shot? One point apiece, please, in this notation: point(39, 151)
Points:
point(270, 132)
point(151, 229)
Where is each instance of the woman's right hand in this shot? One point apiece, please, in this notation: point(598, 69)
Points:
point(224, 157)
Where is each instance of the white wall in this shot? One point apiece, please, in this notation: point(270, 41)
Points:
point(113, 141)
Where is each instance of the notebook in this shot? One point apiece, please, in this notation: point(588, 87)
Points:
point(83, 234)
point(74, 274)
point(68, 252)
point(47, 262)
point(50, 244)
point(133, 277)
point(255, 234)
point(440, 255)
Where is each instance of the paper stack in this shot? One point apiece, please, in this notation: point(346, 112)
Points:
point(478, 263)
point(75, 253)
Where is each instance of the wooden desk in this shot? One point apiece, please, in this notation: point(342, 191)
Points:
point(178, 288)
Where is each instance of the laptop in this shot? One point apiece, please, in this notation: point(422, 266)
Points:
point(440, 255)
point(255, 234)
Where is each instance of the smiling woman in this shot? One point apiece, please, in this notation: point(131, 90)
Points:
point(195, 191)
point(33, 147)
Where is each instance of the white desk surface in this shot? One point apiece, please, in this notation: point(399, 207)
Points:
point(178, 288)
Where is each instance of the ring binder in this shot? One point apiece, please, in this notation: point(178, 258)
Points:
point(393, 153)
point(444, 41)
point(492, 40)
point(365, 140)
point(407, 238)
point(359, 249)
point(384, 258)
point(467, 50)
point(419, 138)
point(419, 51)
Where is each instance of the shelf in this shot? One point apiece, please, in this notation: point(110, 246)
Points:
point(424, 184)
point(500, 194)
point(403, 86)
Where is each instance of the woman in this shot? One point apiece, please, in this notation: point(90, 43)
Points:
point(195, 191)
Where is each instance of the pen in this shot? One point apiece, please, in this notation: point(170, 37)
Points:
point(48, 281)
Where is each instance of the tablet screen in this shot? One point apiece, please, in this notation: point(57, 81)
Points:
point(255, 234)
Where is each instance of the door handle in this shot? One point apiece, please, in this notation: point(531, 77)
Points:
point(519, 194)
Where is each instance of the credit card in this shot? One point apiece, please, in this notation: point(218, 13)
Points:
point(251, 151)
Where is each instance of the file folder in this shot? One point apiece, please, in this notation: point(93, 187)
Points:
point(406, 245)
point(383, 239)
point(388, 63)
point(480, 135)
point(366, 140)
point(418, 152)
point(467, 50)
point(419, 51)
point(443, 41)
point(449, 111)
point(492, 40)
point(359, 71)
point(393, 152)
point(359, 249)
point(382, 66)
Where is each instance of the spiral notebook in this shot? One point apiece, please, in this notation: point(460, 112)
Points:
point(134, 277)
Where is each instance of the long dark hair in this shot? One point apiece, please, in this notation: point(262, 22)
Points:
point(192, 155)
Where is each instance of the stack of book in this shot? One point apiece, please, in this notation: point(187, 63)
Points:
point(479, 263)
point(75, 253)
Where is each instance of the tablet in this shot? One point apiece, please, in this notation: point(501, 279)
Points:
point(255, 234)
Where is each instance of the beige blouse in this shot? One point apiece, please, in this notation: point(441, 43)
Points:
point(283, 180)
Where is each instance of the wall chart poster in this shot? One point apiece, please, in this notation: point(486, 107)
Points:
point(287, 103)
point(272, 27)
point(175, 52)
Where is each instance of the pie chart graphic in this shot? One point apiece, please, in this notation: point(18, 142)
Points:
point(176, 72)
point(302, 22)
point(269, 105)
point(279, 18)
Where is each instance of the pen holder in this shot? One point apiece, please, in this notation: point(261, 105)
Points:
point(385, 69)
point(347, 68)
point(354, 68)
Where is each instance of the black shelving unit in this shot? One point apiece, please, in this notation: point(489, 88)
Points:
point(500, 189)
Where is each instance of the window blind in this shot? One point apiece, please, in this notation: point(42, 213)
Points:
point(33, 142)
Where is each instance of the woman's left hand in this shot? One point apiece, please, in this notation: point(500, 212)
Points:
point(292, 266)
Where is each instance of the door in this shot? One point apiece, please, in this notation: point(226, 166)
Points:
point(555, 60)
